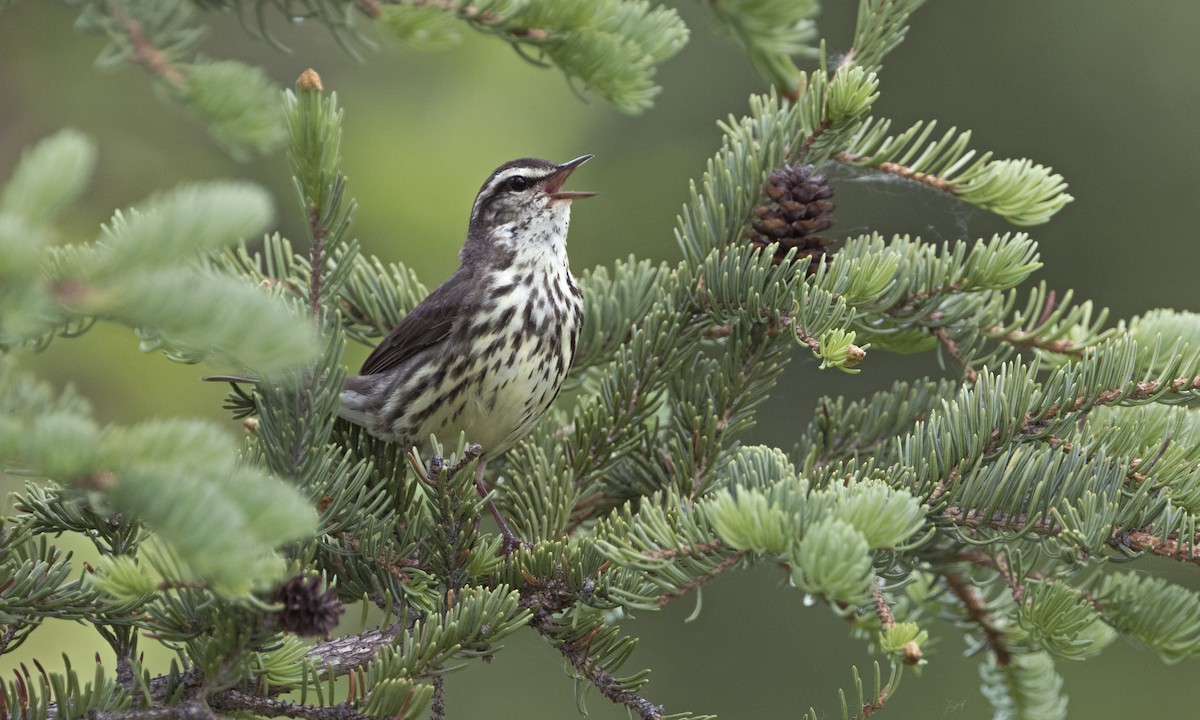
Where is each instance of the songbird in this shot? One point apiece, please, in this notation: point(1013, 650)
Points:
point(486, 352)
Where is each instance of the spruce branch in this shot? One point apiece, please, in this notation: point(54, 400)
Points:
point(340, 656)
point(1001, 565)
point(772, 33)
point(437, 708)
point(635, 493)
point(883, 610)
point(315, 143)
point(848, 431)
point(1022, 192)
point(976, 611)
point(336, 15)
point(544, 606)
point(880, 27)
point(332, 658)
point(1028, 684)
point(143, 50)
point(611, 46)
point(187, 710)
point(477, 15)
point(902, 171)
point(1032, 338)
point(1138, 391)
point(1141, 540)
point(319, 234)
point(7, 637)
point(734, 560)
point(1181, 549)
point(951, 347)
point(235, 701)
point(231, 98)
point(868, 704)
point(871, 707)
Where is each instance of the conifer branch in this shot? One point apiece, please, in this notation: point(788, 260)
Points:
point(333, 658)
point(1023, 338)
point(912, 309)
point(437, 708)
point(1019, 338)
point(728, 563)
point(188, 710)
point(813, 136)
point(901, 171)
point(968, 517)
point(234, 100)
point(840, 431)
point(907, 306)
point(846, 523)
point(613, 48)
point(772, 33)
point(145, 52)
point(1139, 468)
point(1001, 566)
point(1018, 190)
point(880, 27)
point(319, 234)
point(812, 342)
point(1015, 583)
point(1172, 548)
point(977, 613)
point(477, 16)
point(9, 634)
point(1139, 391)
point(951, 347)
point(701, 549)
point(873, 706)
point(339, 656)
point(544, 605)
point(882, 610)
point(586, 461)
point(1138, 540)
point(236, 701)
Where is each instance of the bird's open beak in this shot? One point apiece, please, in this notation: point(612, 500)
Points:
point(555, 182)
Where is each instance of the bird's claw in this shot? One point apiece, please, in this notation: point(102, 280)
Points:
point(512, 543)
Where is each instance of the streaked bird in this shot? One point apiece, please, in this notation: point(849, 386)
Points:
point(487, 351)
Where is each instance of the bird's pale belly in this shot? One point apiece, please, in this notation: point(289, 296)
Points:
point(510, 390)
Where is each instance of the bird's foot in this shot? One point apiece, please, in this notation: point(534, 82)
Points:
point(511, 542)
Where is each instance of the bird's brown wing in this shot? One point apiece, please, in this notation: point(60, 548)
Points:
point(429, 323)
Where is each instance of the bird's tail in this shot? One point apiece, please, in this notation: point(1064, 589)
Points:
point(356, 406)
point(358, 400)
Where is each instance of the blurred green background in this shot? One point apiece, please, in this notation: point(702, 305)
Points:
point(1106, 92)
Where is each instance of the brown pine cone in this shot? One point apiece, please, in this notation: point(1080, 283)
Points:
point(798, 210)
point(307, 610)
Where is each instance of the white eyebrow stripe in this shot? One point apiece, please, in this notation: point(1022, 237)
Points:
point(530, 173)
point(496, 185)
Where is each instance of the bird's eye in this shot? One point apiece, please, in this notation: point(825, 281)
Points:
point(517, 183)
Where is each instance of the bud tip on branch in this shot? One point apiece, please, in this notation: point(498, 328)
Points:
point(310, 80)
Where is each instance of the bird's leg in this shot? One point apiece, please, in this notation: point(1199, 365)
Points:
point(511, 541)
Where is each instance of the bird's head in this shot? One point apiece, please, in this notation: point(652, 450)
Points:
point(522, 202)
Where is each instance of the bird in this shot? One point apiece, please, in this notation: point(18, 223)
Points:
point(486, 352)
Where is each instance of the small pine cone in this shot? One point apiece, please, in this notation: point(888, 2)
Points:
point(306, 610)
point(798, 210)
